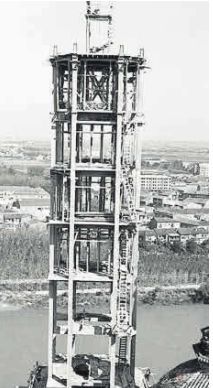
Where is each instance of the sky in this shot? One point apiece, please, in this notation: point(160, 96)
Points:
point(174, 35)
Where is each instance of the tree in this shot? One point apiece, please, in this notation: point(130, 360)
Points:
point(176, 246)
point(205, 244)
point(16, 204)
point(152, 224)
point(178, 165)
point(191, 246)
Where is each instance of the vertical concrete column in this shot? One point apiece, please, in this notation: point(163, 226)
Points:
point(55, 108)
point(55, 86)
point(63, 196)
point(135, 252)
point(52, 323)
point(71, 294)
point(53, 146)
point(139, 114)
point(51, 249)
point(116, 252)
point(59, 143)
point(52, 284)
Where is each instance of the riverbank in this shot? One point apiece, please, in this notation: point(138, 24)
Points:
point(34, 293)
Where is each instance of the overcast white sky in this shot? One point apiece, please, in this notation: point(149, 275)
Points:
point(173, 34)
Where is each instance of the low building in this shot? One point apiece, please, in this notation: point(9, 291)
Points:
point(173, 237)
point(162, 235)
point(11, 220)
point(155, 182)
point(195, 203)
point(161, 201)
point(22, 192)
point(201, 235)
point(167, 235)
point(158, 200)
point(199, 191)
point(166, 223)
point(36, 207)
point(178, 214)
point(187, 220)
point(147, 236)
point(145, 214)
point(146, 198)
point(186, 234)
point(204, 224)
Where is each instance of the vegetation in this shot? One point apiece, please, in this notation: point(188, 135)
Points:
point(23, 254)
point(177, 246)
point(34, 178)
point(191, 246)
point(153, 223)
point(162, 265)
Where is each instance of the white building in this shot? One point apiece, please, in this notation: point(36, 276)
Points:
point(166, 223)
point(22, 192)
point(36, 207)
point(155, 182)
point(204, 169)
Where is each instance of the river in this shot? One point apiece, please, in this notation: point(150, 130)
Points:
point(164, 339)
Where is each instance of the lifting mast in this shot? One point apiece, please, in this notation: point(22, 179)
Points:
point(97, 17)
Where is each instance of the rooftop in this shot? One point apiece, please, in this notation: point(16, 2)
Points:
point(165, 231)
point(9, 216)
point(165, 220)
point(202, 231)
point(187, 231)
point(147, 232)
point(23, 190)
point(195, 200)
point(148, 175)
point(188, 221)
point(35, 202)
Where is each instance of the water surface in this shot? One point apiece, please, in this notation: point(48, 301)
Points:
point(164, 339)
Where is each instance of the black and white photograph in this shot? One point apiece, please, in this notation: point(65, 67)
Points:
point(104, 194)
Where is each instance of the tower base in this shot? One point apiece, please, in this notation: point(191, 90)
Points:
point(95, 376)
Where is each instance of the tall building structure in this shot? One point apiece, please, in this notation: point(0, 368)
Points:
point(95, 180)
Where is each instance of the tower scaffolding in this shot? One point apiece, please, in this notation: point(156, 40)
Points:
point(95, 193)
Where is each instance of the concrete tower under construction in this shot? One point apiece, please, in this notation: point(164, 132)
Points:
point(95, 191)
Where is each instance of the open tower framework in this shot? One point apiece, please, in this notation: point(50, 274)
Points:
point(95, 180)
